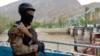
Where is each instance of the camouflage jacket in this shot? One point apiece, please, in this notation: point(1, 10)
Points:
point(16, 42)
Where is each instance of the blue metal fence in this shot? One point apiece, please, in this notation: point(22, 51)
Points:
point(7, 51)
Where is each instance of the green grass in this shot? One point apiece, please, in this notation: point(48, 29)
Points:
point(3, 23)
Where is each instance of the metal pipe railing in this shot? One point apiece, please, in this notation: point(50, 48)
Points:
point(72, 44)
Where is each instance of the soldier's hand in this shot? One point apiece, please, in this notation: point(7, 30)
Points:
point(30, 42)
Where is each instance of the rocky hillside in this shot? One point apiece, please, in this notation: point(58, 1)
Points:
point(49, 10)
point(93, 5)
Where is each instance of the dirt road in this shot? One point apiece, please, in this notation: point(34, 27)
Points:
point(57, 38)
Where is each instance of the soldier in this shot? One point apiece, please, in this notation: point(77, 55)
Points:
point(22, 37)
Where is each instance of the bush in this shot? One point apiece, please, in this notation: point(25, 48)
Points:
point(60, 23)
point(3, 23)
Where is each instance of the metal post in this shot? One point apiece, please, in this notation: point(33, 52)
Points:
point(58, 47)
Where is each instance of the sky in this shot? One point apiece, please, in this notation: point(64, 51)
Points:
point(5, 2)
point(82, 2)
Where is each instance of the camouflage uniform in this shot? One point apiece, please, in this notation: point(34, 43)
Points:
point(16, 41)
point(20, 41)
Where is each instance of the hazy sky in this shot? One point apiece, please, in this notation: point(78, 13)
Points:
point(5, 2)
point(82, 2)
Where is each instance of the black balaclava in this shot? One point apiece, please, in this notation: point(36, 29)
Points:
point(25, 17)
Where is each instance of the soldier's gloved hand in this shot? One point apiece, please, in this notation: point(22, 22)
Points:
point(33, 41)
point(30, 42)
point(41, 47)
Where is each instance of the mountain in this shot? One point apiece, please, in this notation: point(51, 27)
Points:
point(49, 10)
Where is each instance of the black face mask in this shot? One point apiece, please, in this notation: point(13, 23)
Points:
point(26, 18)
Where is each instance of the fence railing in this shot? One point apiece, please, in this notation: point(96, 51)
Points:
point(69, 44)
point(72, 44)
